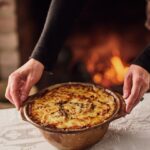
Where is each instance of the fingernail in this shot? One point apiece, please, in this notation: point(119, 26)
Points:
point(17, 107)
point(23, 97)
point(129, 110)
point(125, 95)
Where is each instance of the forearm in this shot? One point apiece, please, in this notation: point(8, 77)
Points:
point(59, 22)
point(143, 59)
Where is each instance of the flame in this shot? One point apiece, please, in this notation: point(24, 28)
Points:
point(116, 73)
point(97, 78)
point(111, 70)
point(119, 68)
point(103, 60)
point(113, 75)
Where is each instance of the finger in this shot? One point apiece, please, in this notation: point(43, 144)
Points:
point(15, 91)
point(135, 92)
point(143, 89)
point(7, 94)
point(127, 86)
point(26, 89)
point(141, 93)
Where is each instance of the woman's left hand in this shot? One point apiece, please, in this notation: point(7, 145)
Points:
point(136, 83)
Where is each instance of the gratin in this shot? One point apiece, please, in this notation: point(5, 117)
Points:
point(72, 106)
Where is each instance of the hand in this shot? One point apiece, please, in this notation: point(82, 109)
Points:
point(21, 81)
point(136, 83)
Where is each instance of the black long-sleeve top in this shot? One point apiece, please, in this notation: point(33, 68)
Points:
point(60, 19)
point(143, 59)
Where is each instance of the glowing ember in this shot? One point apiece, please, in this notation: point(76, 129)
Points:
point(97, 78)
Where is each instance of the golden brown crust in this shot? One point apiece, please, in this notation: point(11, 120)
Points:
point(72, 106)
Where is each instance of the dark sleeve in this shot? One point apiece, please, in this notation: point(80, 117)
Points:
point(59, 22)
point(143, 59)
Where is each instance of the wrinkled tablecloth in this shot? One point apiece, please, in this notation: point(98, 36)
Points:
point(129, 133)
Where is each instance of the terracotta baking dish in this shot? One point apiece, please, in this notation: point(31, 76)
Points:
point(74, 139)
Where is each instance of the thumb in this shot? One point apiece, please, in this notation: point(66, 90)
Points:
point(27, 87)
point(127, 86)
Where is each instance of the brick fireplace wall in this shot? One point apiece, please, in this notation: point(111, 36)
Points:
point(9, 57)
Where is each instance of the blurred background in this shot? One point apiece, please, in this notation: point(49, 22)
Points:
point(105, 40)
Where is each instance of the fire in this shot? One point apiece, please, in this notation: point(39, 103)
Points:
point(119, 68)
point(113, 75)
point(103, 60)
point(105, 64)
point(97, 78)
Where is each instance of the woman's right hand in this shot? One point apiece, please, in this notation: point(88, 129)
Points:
point(21, 81)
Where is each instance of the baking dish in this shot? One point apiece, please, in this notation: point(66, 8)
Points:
point(74, 139)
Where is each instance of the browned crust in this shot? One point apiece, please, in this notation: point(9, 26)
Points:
point(63, 112)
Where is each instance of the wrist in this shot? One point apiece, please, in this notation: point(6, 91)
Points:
point(37, 64)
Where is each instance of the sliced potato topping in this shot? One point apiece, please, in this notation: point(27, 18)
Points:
point(73, 106)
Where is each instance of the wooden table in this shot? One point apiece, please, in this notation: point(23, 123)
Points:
point(129, 133)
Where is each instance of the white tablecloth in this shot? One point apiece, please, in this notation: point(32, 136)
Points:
point(129, 133)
